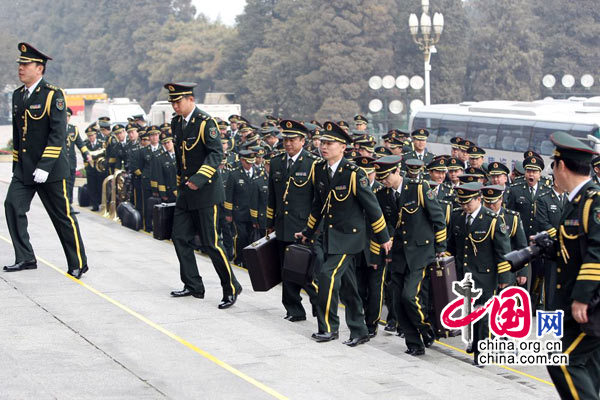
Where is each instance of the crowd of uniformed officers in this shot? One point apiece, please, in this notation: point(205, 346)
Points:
point(376, 215)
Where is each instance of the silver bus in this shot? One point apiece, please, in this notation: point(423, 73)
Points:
point(506, 129)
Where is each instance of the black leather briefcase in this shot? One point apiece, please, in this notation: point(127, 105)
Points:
point(162, 220)
point(298, 264)
point(262, 260)
point(442, 274)
point(130, 217)
point(83, 196)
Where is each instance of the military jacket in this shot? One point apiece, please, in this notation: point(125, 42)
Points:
point(199, 152)
point(549, 208)
point(520, 200)
point(132, 150)
point(341, 202)
point(578, 275)
point(445, 192)
point(167, 176)
point(74, 140)
point(40, 133)
point(480, 249)
point(116, 154)
point(153, 166)
point(427, 156)
point(290, 194)
point(372, 251)
point(258, 199)
point(98, 145)
point(516, 233)
point(421, 228)
point(237, 193)
point(390, 208)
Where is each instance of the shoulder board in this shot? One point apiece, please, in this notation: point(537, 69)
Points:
point(280, 155)
point(592, 192)
point(456, 210)
point(321, 161)
point(310, 155)
point(19, 89)
point(444, 202)
point(515, 184)
point(489, 212)
point(176, 118)
point(49, 86)
point(510, 212)
point(414, 180)
point(352, 166)
point(426, 184)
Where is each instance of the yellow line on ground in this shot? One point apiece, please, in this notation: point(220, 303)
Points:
point(166, 332)
point(501, 366)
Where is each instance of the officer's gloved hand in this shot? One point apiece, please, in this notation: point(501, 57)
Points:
point(40, 176)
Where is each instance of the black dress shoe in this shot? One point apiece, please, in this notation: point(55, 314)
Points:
point(314, 311)
point(296, 318)
point(372, 331)
point(30, 264)
point(400, 333)
point(469, 349)
point(415, 351)
point(390, 327)
point(356, 341)
point(76, 273)
point(186, 292)
point(95, 208)
point(428, 338)
point(227, 302)
point(325, 337)
point(74, 212)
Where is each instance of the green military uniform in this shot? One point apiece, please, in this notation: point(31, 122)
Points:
point(116, 152)
point(258, 201)
point(93, 176)
point(523, 201)
point(240, 184)
point(290, 196)
point(225, 227)
point(199, 152)
point(549, 208)
point(341, 202)
point(73, 140)
point(40, 165)
point(420, 235)
point(478, 244)
point(578, 277)
point(149, 168)
point(426, 156)
point(135, 162)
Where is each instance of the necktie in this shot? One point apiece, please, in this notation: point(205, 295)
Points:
point(331, 172)
point(532, 191)
point(290, 163)
point(25, 95)
point(420, 157)
point(184, 123)
point(469, 221)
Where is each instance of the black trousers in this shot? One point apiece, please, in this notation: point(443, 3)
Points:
point(137, 195)
point(370, 283)
point(581, 378)
point(241, 239)
point(201, 222)
point(70, 184)
point(290, 295)
point(56, 202)
point(225, 232)
point(94, 185)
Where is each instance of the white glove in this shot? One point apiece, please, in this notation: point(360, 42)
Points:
point(40, 176)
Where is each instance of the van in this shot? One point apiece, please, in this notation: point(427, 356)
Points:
point(117, 109)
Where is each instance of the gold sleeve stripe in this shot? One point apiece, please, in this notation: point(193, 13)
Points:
point(177, 177)
point(311, 221)
point(15, 151)
point(51, 151)
point(588, 278)
point(112, 160)
point(228, 206)
point(380, 228)
point(206, 174)
point(552, 232)
point(590, 266)
point(53, 147)
point(162, 188)
point(254, 213)
point(589, 272)
point(153, 184)
point(175, 193)
point(50, 155)
point(138, 173)
point(84, 149)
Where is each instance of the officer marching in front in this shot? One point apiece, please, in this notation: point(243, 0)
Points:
point(40, 164)
point(291, 192)
point(478, 241)
point(419, 237)
point(198, 152)
point(342, 199)
point(578, 268)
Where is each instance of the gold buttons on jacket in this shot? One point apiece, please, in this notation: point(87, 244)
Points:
point(558, 286)
point(558, 269)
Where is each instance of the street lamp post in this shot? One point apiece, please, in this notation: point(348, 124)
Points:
point(426, 41)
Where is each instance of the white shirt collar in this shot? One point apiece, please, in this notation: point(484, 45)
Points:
point(32, 87)
point(576, 190)
point(187, 119)
point(555, 192)
point(154, 148)
point(334, 166)
point(294, 157)
point(475, 213)
point(248, 171)
point(535, 187)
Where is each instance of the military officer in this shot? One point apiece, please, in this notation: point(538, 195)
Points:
point(342, 198)
point(259, 197)
point(478, 241)
point(455, 169)
point(498, 176)
point(198, 153)
point(93, 176)
point(135, 166)
point(74, 140)
point(522, 199)
point(420, 235)
point(40, 164)
point(438, 169)
point(237, 202)
point(360, 122)
point(104, 132)
point(344, 125)
point(291, 192)
point(147, 166)
point(578, 268)
point(419, 140)
point(493, 198)
point(116, 150)
point(154, 150)
point(167, 169)
point(455, 146)
point(549, 208)
point(596, 169)
point(475, 156)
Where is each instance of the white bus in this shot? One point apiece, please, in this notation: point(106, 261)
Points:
point(506, 129)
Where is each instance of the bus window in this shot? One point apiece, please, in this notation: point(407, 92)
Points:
point(582, 130)
point(428, 121)
point(453, 125)
point(483, 131)
point(513, 135)
point(540, 141)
